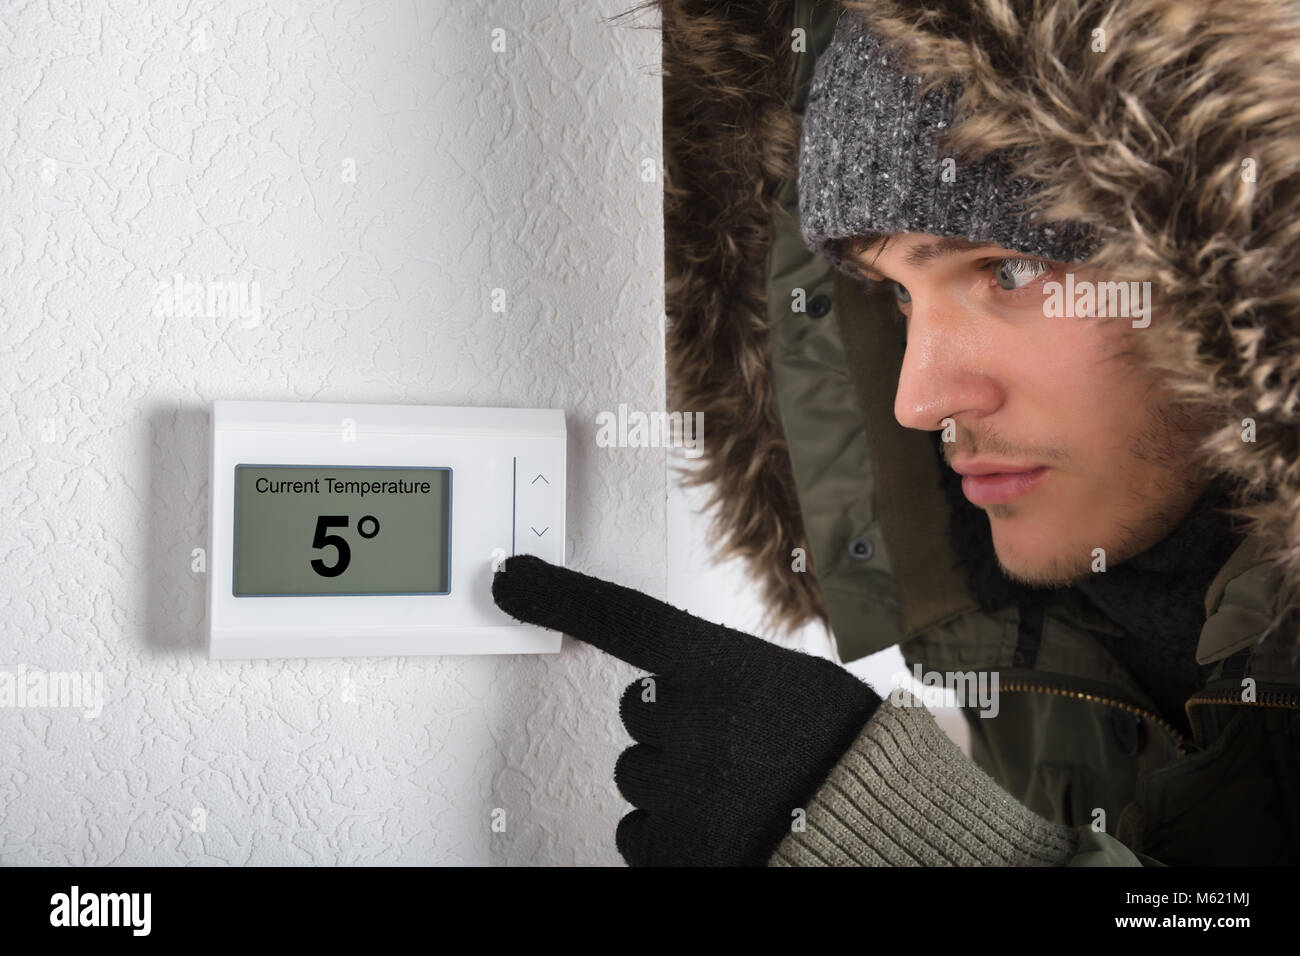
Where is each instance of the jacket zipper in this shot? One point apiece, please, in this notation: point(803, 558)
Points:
point(1266, 698)
point(1182, 745)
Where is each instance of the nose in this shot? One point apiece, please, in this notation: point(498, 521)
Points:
point(946, 370)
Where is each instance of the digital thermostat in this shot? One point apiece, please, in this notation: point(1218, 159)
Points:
point(357, 529)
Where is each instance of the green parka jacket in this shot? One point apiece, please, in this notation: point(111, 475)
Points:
point(1180, 138)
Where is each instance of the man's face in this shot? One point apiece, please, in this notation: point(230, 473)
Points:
point(1025, 390)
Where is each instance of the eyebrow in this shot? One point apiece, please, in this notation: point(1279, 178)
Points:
point(927, 251)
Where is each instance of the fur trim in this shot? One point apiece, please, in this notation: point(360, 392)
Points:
point(730, 141)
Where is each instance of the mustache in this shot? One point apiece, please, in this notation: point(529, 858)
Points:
point(991, 446)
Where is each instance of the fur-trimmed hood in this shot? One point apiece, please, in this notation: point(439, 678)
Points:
point(1170, 126)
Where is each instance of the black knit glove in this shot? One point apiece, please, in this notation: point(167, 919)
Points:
point(733, 733)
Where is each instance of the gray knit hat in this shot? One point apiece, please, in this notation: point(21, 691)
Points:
point(869, 161)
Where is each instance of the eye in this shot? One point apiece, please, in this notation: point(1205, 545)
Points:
point(1012, 274)
point(901, 293)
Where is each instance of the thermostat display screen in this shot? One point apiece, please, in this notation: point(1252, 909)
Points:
point(304, 529)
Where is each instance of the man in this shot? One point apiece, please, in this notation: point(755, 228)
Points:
point(994, 459)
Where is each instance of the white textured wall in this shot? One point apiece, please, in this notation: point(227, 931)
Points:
point(216, 141)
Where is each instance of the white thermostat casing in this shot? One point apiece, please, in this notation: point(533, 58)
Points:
point(341, 530)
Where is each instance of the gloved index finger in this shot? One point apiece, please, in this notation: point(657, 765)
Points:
point(634, 627)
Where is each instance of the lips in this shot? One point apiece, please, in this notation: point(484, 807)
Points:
point(1000, 487)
